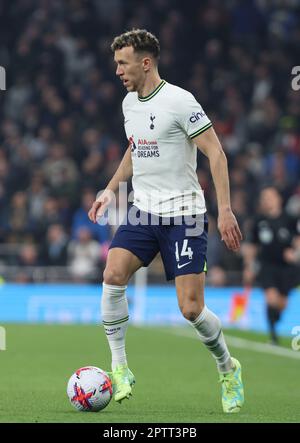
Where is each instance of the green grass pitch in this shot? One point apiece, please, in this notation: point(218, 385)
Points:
point(176, 377)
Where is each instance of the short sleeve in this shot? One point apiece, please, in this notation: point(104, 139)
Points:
point(192, 118)
point(126, 103)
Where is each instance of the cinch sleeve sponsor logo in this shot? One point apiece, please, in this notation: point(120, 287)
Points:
point(195, 117)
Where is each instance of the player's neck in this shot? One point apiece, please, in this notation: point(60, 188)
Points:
point(149, 85)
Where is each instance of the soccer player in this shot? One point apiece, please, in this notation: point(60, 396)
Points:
point(270, 240)
point(165, 125)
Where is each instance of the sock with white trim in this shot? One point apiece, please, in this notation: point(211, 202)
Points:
point(208, 327)
point(114, 308)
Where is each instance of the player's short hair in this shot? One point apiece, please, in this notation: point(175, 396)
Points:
point(141, 41)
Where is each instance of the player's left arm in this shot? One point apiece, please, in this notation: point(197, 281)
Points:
point(209, 144)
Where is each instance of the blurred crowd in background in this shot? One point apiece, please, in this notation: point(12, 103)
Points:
point(61, 125)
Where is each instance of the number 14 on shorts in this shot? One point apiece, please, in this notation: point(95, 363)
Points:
point(186, 251)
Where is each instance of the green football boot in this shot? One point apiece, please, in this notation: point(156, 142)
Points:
point(232, 389)
point(123, 380)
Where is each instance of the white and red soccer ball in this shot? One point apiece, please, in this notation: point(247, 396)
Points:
point(90, 389)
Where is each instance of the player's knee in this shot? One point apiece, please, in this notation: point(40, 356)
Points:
point(191, 310)
point(114, 276)
point(191, 303)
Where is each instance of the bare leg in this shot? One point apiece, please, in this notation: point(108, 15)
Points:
point(190, 293)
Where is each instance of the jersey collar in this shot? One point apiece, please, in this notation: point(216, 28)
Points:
point(153, 93)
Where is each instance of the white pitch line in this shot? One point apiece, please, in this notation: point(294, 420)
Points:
point(245, 344)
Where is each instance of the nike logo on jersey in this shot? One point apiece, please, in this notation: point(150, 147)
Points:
point(184, 264)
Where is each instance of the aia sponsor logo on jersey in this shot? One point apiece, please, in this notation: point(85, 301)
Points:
point(144, 148)
point(142, 143)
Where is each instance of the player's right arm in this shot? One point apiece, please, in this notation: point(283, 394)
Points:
point(123, 173)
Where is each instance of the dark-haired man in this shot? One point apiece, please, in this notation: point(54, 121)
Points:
point(164, 125)
point(270, 241)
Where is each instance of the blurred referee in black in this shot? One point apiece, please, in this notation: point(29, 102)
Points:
point(269, 244)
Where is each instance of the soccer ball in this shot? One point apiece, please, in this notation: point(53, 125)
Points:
point(90, 389)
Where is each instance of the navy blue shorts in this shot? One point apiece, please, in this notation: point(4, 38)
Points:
point(182, 246)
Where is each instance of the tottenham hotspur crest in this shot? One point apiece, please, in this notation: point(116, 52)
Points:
point(152, 117)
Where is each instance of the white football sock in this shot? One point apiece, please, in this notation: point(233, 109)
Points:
point(114, 308)
point(208, 327)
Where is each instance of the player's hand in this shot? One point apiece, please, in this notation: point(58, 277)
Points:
point(229, 229)
point(100, 205)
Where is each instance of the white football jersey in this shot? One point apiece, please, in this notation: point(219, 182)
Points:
point(160, 129)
